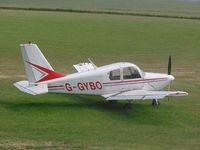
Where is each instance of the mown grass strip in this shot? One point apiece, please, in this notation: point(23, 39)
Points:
point(103, 12)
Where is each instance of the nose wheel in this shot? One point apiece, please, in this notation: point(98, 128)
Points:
point(155, 103)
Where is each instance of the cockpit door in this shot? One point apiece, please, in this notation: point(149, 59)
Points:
point(132, 78)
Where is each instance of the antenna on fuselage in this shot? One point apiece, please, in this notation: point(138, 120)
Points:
point(92, 63)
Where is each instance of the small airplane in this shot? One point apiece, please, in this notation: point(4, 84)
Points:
point(118, 81)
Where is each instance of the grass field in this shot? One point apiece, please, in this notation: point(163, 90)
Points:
point(169, 7)
point(56, 121)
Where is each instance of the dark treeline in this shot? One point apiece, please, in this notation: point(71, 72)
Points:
point(103, 12)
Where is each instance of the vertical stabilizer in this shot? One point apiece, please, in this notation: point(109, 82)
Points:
point(37, 67)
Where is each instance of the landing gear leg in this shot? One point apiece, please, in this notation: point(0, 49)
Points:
point(112, 102)
point(128, 106)
point(155, 103)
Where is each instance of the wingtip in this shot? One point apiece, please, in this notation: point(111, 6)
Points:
point(181, 93)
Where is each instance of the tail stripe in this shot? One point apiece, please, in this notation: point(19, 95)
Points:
point(48, 74)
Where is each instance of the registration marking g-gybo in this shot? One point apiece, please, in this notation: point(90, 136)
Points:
point(84, 86)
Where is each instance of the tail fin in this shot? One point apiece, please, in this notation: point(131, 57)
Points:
point(37, 67)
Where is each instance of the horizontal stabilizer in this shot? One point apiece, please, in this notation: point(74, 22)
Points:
point(143, 95)
point(24, 86)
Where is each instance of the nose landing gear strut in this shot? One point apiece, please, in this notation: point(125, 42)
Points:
point(155, 103)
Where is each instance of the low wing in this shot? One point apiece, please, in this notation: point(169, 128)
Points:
point(33, 90)
point(143, 95)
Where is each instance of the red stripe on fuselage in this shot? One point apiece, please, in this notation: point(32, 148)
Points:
point(118, 82)
point(58, 86)
point(138, 80)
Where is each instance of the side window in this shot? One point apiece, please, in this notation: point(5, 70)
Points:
point(115, 74)
point(130, 73)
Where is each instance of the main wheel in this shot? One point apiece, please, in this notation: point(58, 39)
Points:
point(128, 106)
point(112, 102)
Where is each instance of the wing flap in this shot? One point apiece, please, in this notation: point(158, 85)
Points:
point(33, 90)
point(143, 95)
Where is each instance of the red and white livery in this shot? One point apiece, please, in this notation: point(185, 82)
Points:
point(118, 81)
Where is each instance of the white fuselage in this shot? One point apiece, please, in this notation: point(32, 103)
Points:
point(99, 82)
point(118, 81)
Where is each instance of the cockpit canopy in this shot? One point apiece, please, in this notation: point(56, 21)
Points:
point(130, 73)
point(126, 73)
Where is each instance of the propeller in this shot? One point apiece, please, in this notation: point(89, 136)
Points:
point(169, 71)
point(169, 66)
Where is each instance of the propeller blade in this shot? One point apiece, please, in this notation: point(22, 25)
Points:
point(169, 66)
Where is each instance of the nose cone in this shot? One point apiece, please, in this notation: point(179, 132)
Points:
point(171, 78)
